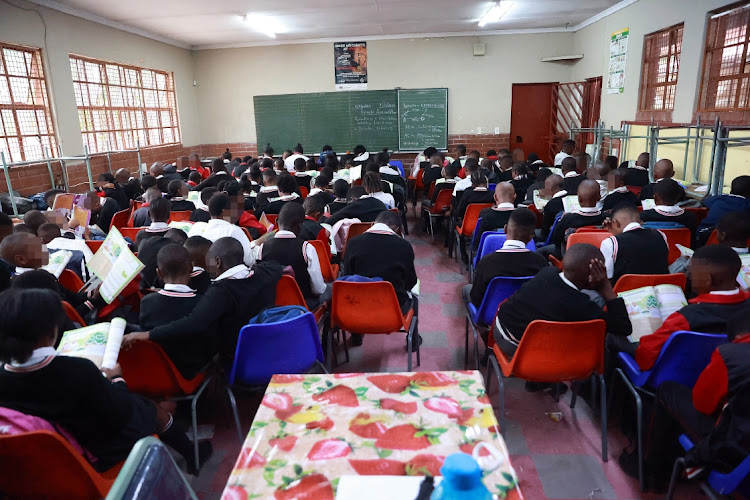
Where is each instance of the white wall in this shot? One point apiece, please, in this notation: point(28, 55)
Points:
point(479, 87)
point(644, 17)
point(67, 34)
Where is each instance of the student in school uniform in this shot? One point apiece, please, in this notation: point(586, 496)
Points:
point(424, 157)
point(618, 193)
point(738, 200)
point(320, 188)
point(568, 147)
point(201, 214)
point(588, 215)
point(289, 160)
point(663, 169)
point(521, 181)
point(667, 195)
point(502, 170)
point(513, 259)
point(107, 187)
point(236, 294)
point(177, 193)
point(314, 207)
point(157, 172)
point(571, 178)
point(632, 249)
point(288, 249)
point(92, 404)
point(361, 156)
point(433, 173)
point(269, 190)
point(340, 190)
point(159, 212)
point(713, 273)
point(471, 166)
point(374, 188)
point(364, 257)
point(224, 213)
point(497, 216)
point(174, 301)
point(23, 251)
point(219, 173)
point(141, 215)
point(553, 189)
point(301, 175)
point(538, 184)
point(249, 193)
point(286, 188)
point(638, 174)
point(461, 157)
point(194, 178)
point(362, 207)
point(50, 234)
point(448, 180)
point(198, 247)
point(477, 193)
point(147, 254)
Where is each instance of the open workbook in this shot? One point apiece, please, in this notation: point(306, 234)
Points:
point(115, 265)
point(99, 343)
point(649, 306)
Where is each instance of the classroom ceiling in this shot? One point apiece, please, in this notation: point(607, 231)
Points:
point(208, 24)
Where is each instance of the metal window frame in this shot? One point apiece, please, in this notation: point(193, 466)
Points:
point(650, 61)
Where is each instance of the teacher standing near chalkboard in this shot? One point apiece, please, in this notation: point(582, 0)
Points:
point(289, 162)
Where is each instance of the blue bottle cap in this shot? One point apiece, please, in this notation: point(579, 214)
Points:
point(461, 471)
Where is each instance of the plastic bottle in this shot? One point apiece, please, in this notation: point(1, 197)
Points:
point(462, 479)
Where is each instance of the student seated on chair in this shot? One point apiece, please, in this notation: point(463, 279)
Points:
point(425, 156)
point(288, 249)
point(583, 269)
point(174, 301)
point(97, 410)
point(553, 190)
point(219, 173)
point(236, 294)
point(618, 193)
point(301, 175)
point(201, 214)
point(587, 215)
point(598, 172)
point(224, 213)
point(538, 185)
point(287, 187)
point(738, 200)
point(320, 189)
point(503, 172)
point(366, 256)
point(571, 178)
point(198, 247)
point(448, 180)
point(177, 194)
point(471, 166)
point(148, 252)
point(374, 189)
point(340, 190)
point(521, 181)
point(433, 173)
point(568, 147)
point(297, 153)
point(50, 234)
point(364, 208)
point(632, 249)
point(513, 259)
point(158, 212)
point(477, 193)
point(269, 190)
point(496, 216)
point(106, 186)
point(141, 217)
point(682, 410)
point(713, 273)
point(638, 174)
point(314, 207)
point(663, 169)
point(667, 195)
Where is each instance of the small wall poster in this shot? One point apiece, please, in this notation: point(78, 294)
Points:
point(350, 65)
point(618, 50)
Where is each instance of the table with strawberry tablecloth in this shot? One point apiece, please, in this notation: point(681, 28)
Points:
point(310, 430)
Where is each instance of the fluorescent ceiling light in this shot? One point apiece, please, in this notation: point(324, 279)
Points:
point(263, 24)
point(495, 13)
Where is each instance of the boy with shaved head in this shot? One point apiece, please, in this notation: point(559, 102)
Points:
point(587, 215)
point(497, 216)
point(663, 169)
point(638, 175)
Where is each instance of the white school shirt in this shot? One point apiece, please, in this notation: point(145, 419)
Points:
point(317, 283)
point(462, 185)
point(219, 228)
point(386, 198)
point(61, 243)
point(289, 162)
point(608, 248)
point(238, 272)
point(559, 157)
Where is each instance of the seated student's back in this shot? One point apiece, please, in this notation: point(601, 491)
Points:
point(667, 194)
point(340, 190)
point(617, 191)
point(738, 200)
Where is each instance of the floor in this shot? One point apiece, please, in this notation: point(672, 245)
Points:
point(553, 459)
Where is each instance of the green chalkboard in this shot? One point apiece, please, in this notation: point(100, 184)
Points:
point(423, 119)
point(278, 121)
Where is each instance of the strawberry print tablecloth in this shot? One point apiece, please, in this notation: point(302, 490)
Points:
point(312, 429)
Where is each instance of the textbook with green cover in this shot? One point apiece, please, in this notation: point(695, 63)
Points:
point(115, 265)
point(57, 262)
point(649, 306)
point(99, 343)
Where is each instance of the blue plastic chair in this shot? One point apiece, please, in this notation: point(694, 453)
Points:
point(399, 165)
point(150, 472)
point(723, 484)
point(491, 187)
point(552, 230)
point(499, 289)
point(661, 225)
point(291, 346)
point(682, 359)
point(492, 241)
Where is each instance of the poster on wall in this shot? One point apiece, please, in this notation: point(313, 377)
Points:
point(618, 51)
point(350, 63)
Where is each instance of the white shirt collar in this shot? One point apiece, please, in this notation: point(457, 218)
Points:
point(621, 189)
point(741, 250)
point(159, 225)
point(514, 244)
point(218, 222)
point(504, 206)
point(222, 172)
point(379, 227)
point(735, 195)
point(572, 174)
point(631, 226)
point(480, 188)
point(387, 169)
point(37, 356)
point(567, 281)
point(282, 233)
point(588, 210)
point(560, 193)
point(238, 272)
point(173, 287)
point(268, 189)
point(639, 167)
point(314, 191)
point(726, 292)
point(21, 270)
point(670, 209)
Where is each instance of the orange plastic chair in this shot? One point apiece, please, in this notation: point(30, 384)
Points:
point(72, 314)
point(304, 191)
point(150, 372)
point(330, 271)
point(469, 222)
point(369, 308)
point(120, 219)
point(441, 205)
point(356, 229)
point(700, 214)
point(591, 237)
point(272, 218)
point(94, 245)
point(137, 205)
point(713, 239)
point(247, 233)
point(554, 352)
point(70, 281)
point(555, 262)
point(288, 293)
point(674, 236)
point(636, 190)
point(633, 281)
point(131, 232)
point(180, 216)
point(42, 464)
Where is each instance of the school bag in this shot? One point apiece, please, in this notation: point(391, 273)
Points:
point(277, 314)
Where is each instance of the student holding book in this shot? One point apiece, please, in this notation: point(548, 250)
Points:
point(91, 403)
point(618, 192)
point(201, 214)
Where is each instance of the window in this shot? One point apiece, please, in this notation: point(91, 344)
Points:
point(25, 120)
point(119, 106)
point(661, 63)
point(725, 84)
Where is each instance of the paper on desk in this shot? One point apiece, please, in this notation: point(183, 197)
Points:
point(380, 487)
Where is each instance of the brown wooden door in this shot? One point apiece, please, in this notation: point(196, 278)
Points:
point(530, 119)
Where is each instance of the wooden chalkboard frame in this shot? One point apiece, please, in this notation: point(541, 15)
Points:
point(447, 119)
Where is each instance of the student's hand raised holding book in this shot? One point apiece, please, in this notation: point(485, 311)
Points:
point(130, 338)
point(598, 280)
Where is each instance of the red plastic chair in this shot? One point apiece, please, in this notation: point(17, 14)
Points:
point(137, 205)
point(180, 216)
point(633, 281)
point(272, 218)
point(247, 233)
point(539, 215)
point(441, 205)
point(70, 281)
point(369, 308)
point(330, 271)
point(636, 190)
point(288, 293)
point(94, 245)
point(469, 223)
point(131, 232)
point(120, 219)
point(42, 464)
point(590, 237)
point(674, 236)
point(431, 191)
point(554, 352)
point(304, 191)
point(700, 214)
point(150, 372)
point(72, 314)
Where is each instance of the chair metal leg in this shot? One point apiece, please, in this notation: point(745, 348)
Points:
point(408, 348)
point(603, 404)
point(573, 396)
point(194, 416)
point(321, 366)
point(346, 346)
point(466, 345)
point(233, 404)
point(416, 331)
point(406, 226)
point(476, 346)
point(329, 346)
point(679, 464)
point(639, 423)
point(501, 394)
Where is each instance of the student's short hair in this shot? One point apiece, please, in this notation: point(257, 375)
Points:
point(340, 188)
point(41, 279)
point(218, 203)
point(355, 192)
point(739, 323)
point(5, 220)
point(371, 166)
point(471, 165)
point(735, 225)
point(298, 148)
point(461, 149)
point(429, 151)
point(48, 232)
point(207, 194)
point(151, 194)
point(627, 209)
point(245, 185)
point(51, 193)
point(611, 162)
point(246, 159)
point(478, 178)
point(524, 218)
point(148, 181)
point(229, 249)
point(520, 169)
point(332, 162)
point(322, 181)
point(543, 173)
point(106, 177)
point(196, 242)
point(300, 164)
point(267, 163)
point(390, 219)
point(476, 153)
point(491, 152)
point(669, 190)
point(195, 176)
point(533, 157)
point(327, 147)
point(34, 219)
point(450, 171)
point(359, 149)
point(270, 175)
point(740, 186)
point(722, 258)
point(177, 235)
point(291, 214)
point(581, 254)
point(383, 159)
point(218, 165)
point(313, 204)
point(287, 184)
point(506, 159)
point(23, 228)
point(173, 260)
point(173, 188)
point(568, 143)
point(159, 210)
point(372, 183)
point(22, 326)
point(231, 187)
point(255, 173)
point(569, 164)
point(269, 150)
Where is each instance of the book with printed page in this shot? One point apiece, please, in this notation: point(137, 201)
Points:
point(648, 204)
point(195, 197)
point(184, 225)
point(99, 343)
point(744, 277)
point(355, 173)
point(83, 216)
point(650, 306)
point(266, 223)
point(571, 203)
point(539, 202)
point(115, 265)
point(57, 262)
